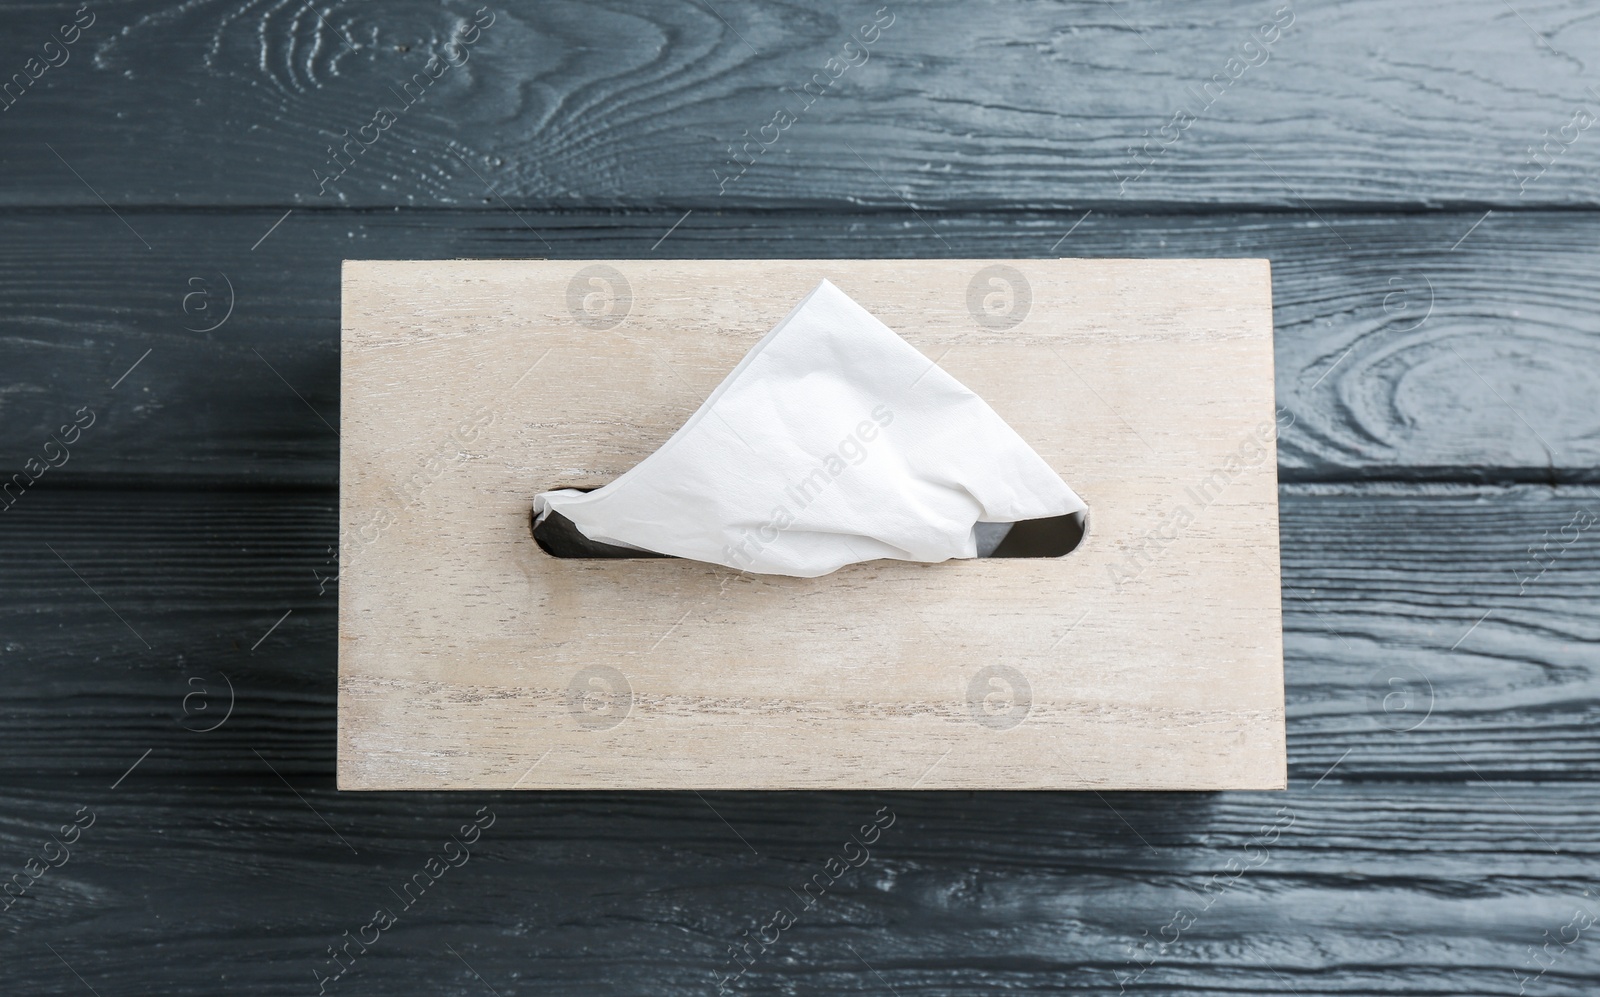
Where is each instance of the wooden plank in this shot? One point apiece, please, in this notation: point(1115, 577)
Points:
point(563, 105)
point(1338, 889)
point(1379, 584)
point(215, 875)
point(1148, 658)
point(1403, 349)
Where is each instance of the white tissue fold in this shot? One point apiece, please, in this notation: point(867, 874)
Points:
point(833, 441)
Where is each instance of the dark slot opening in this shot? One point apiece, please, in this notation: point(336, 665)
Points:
point(558, 537)
point(1053, 537)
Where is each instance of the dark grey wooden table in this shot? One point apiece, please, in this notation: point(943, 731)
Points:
point(178, 192)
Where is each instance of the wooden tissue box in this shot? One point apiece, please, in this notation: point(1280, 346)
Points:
point(1148, 658)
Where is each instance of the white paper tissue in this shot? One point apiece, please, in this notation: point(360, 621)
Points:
point(833, 441)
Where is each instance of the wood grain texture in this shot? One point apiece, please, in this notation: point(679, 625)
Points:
point(1405, 871)
point(1380, 583)
point(1403, 349)
point(958, 104)
point(1413, 875)
point(190, 887)
point(1148, 658)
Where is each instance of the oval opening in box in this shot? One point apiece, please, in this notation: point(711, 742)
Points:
point(1056, 536)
